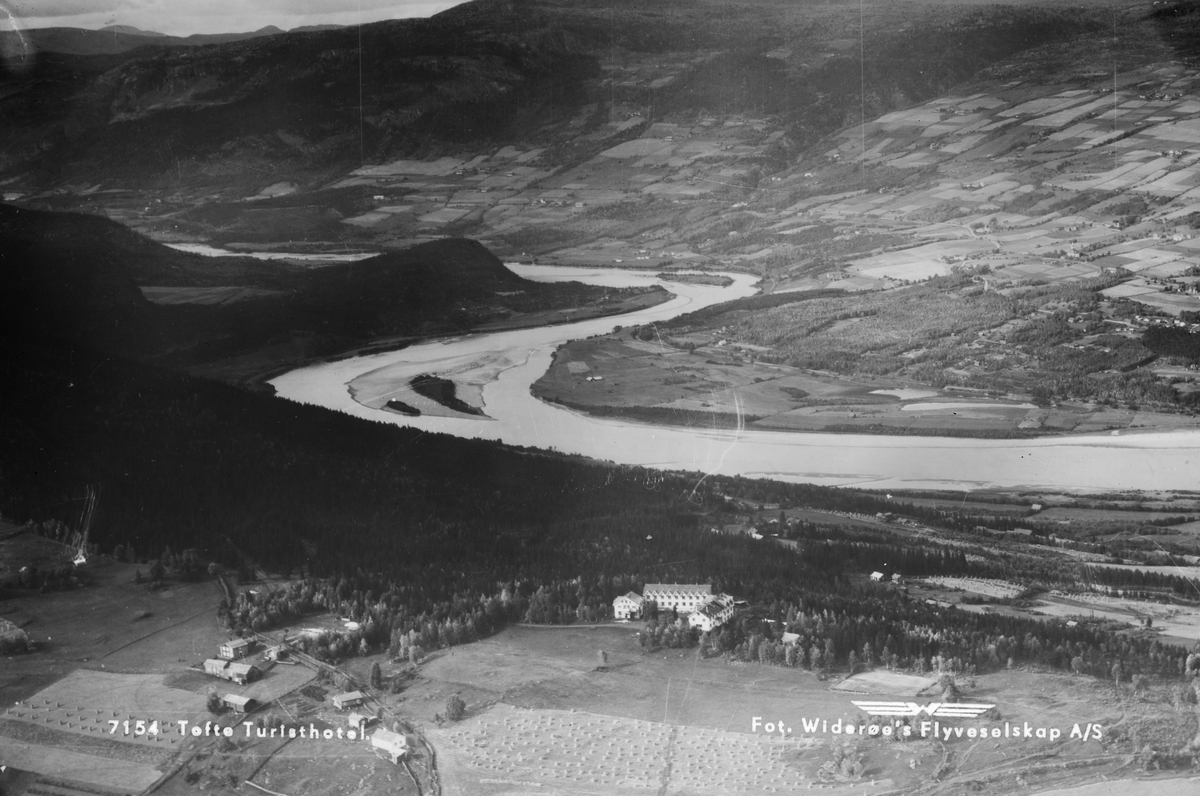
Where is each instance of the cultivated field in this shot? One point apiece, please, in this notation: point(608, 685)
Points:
point(66, 730)
point(205, 295)
point(541, 717)
point(578, 752)
point(988, 588)
point(885, 682)
point(308, 768)
point(98, 625)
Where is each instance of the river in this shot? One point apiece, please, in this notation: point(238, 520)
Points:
point(320, 258)
point(500, 368)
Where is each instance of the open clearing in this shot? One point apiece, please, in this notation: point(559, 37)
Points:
point(88, 769)
point(1131, 787)
point(885, 682)
point(989, 588)
point(1108, 515)
point(208, 296)
point(306, 767)
point(99, 624)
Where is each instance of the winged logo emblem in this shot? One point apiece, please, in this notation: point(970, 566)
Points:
point(941, 710)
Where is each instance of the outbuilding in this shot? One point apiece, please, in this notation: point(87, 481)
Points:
point(359, 720)
point(239, 704)
point(242, 673)
point(350, 699)
point(216, 667)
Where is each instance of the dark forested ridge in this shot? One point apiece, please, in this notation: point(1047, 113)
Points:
point(77, 278)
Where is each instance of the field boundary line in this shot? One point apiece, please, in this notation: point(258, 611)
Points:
point(265, 760)
point(171, 772)
point(261, 788)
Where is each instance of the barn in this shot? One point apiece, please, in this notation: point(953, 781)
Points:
point(239, 704)
point(350, 699)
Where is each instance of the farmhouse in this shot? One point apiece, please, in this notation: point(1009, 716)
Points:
point(240, 673)
point(239, 704)
point(350, 699)
point(628, 606)
point(235, 649)
point(712, 614)
point(393, 744)
point(682, 597)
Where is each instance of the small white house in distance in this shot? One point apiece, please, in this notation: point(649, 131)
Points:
point(393, 744)
point(350, 699)
point(628, 606)
point(790, 638)
point(712, 614)
point(876, 576)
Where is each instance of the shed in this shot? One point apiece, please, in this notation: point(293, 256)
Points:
point(393, 744)
point(876, 576)
point(350, 699)
point(239, 704)
point(357, 720)
point(235, 648)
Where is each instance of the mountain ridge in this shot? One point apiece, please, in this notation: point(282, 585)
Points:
point(481, 73)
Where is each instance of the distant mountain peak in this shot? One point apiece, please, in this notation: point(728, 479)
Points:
point(129, 30)
point(314, 28)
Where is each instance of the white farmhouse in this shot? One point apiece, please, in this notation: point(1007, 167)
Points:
point(713, 613)
point(628, 606)
point(393, 744)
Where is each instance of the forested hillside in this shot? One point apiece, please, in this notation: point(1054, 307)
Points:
point(432, 540)
point(77, 278)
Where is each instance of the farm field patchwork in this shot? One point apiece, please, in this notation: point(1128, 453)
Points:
point(66, 730)
point(578, 752)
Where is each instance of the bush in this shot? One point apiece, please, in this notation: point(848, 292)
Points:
point(455, 708)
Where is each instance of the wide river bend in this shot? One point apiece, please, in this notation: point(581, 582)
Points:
point(503, 366)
